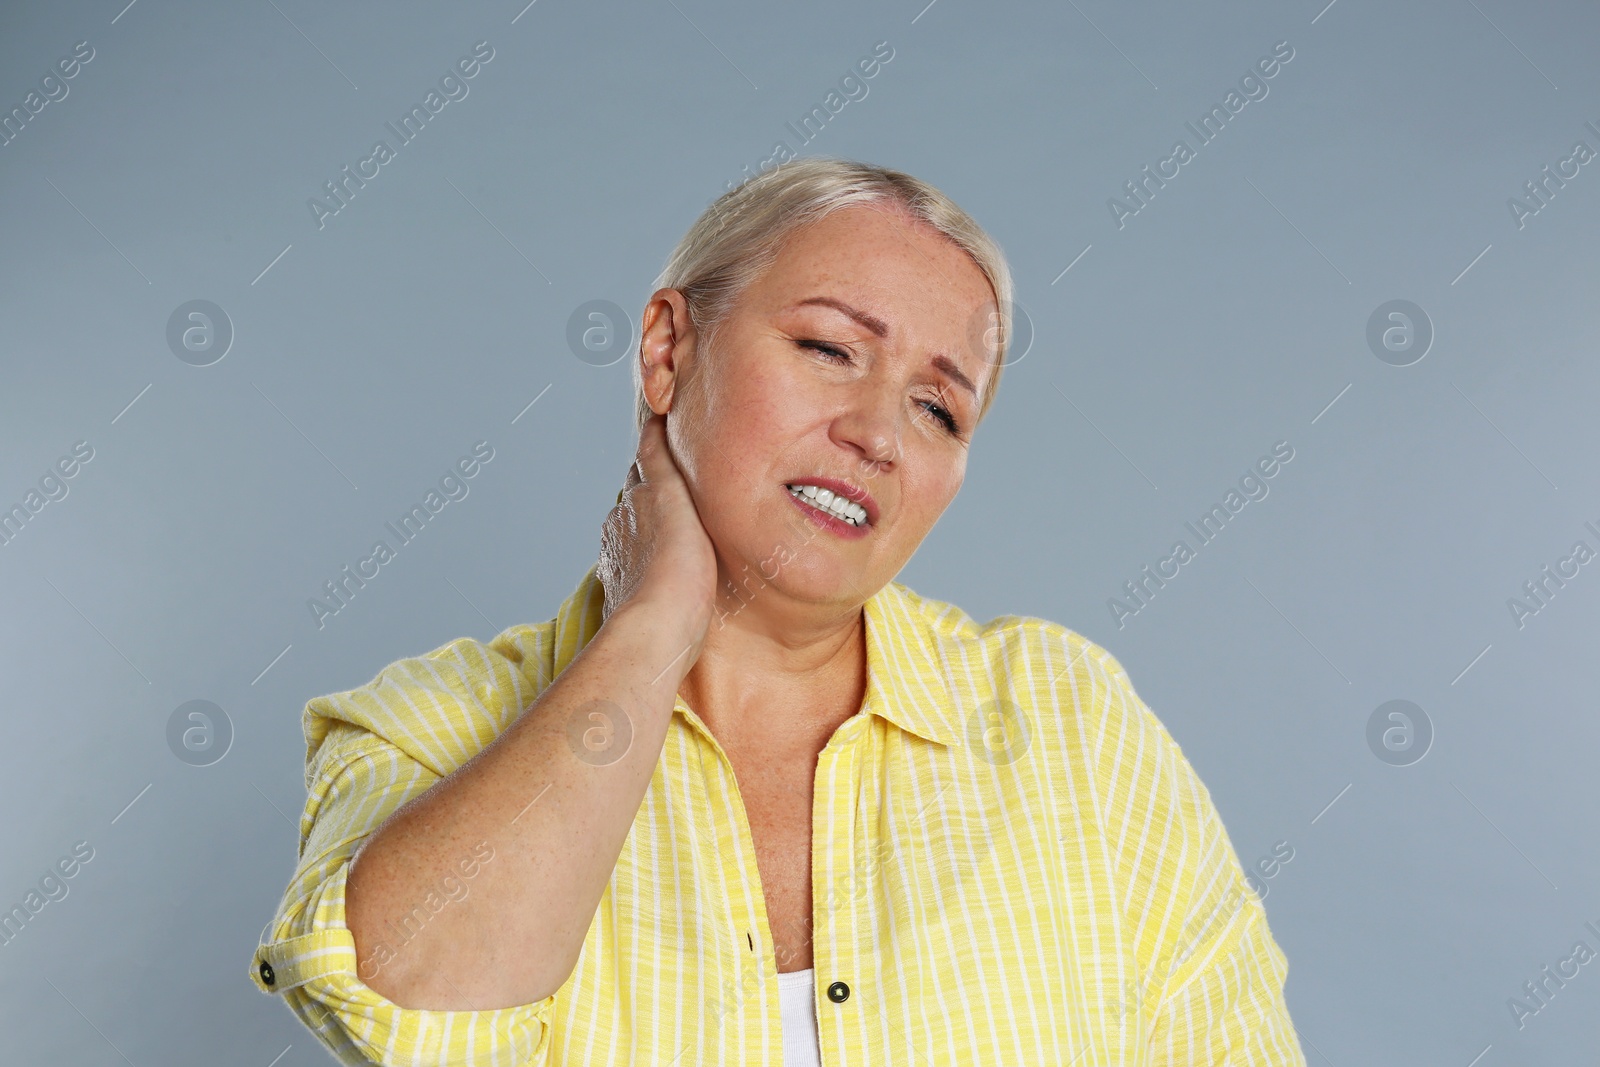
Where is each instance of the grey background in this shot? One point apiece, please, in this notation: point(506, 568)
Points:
point(1230, 313)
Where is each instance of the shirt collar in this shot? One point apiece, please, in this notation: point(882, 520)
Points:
point(906, 683)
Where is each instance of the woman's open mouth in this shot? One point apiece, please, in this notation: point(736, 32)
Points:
point(829, 509)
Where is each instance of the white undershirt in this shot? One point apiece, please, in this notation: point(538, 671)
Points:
point(797, 995)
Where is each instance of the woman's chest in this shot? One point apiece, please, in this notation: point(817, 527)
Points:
point(940, 915)
point(779, 815)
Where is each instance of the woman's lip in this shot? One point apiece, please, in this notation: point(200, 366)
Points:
point(846, 490)
point(826, 520)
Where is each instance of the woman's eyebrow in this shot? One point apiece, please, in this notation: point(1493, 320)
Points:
point(946, 364)
point(879, 328)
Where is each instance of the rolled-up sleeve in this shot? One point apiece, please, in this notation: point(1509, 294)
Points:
point(308, 955)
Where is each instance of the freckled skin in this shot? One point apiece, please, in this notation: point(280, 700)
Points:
point(785, 663)
point(770, 410)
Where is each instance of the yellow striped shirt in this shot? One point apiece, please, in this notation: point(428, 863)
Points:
point(1013, 863)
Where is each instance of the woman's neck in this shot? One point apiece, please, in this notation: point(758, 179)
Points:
point(778, 679)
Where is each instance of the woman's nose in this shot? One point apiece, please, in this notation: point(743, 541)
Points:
point(882, 450)
point(871, 422)
point(871, 431)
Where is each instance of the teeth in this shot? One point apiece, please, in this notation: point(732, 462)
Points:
point(850, 512)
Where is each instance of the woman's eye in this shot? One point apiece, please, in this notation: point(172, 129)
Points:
point(819, 346)
point(942, 415)
point(938, 411)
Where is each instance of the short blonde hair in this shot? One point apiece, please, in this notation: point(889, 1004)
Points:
point(741, 233)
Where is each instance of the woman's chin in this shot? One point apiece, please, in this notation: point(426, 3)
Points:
point(804, 574)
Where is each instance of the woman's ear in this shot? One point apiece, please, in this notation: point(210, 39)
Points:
point(666, 344)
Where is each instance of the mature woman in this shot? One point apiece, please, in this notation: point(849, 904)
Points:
point(746, 798)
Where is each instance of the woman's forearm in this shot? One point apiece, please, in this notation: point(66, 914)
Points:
point(555, 817)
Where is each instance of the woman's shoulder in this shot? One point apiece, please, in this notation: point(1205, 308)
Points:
point(1068, 686)
point(1022, 646)
point(440, 707)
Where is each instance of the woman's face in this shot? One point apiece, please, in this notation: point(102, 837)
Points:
point(848, 360)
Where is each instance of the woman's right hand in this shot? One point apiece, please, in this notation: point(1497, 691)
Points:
point(653, 547)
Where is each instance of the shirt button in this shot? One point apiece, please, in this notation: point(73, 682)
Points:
point(838, 992)
point(266, 973)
